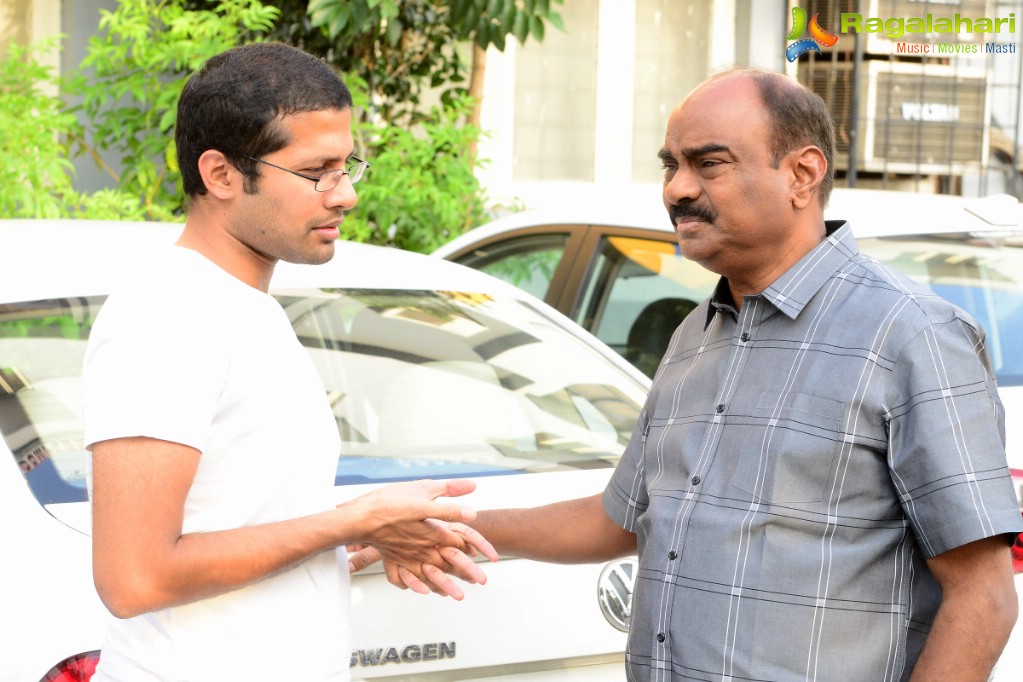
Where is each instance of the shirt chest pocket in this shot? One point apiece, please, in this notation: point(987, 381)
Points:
point(788, 451)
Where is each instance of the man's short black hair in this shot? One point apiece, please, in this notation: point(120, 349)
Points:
point(235, 102)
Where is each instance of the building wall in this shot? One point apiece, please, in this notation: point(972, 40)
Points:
point(26, 21)
point(582, 114)
point(14, 22)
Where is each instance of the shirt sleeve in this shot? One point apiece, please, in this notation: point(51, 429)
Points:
point(151, 369)
point(947, 439)
point(625, 497)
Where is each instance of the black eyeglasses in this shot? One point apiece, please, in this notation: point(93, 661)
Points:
point(354, 168)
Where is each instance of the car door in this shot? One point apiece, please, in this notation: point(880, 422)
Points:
point(631, 288)
point(536, 259)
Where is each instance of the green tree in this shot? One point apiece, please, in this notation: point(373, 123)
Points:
point(402, 48)
point(35, 172)
point(35, 176)
point(420, 190)
point(132, 77)
point(128, 85)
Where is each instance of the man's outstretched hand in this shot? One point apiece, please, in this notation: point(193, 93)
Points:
point(419, 539)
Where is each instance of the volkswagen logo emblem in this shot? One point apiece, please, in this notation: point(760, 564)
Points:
point(614, 591)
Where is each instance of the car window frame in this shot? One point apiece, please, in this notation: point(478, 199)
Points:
point(585, 263)
point(558, 294)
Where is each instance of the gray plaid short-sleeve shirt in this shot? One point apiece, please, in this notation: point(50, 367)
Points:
point(796, 463)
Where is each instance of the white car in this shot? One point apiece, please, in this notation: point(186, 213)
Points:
point(432, 369)
point(615, 268)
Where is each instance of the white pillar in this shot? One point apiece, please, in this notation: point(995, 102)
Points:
point(616, 50)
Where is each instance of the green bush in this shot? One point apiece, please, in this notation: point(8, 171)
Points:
point(419, 192)
point(35, 178)
point(132, 77)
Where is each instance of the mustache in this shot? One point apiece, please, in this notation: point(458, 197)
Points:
point(688, 209)
point(337, 216)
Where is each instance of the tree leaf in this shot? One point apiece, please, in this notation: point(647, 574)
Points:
point(520, 28)
point(555, 20)
point(536, 28)
point(394, 31)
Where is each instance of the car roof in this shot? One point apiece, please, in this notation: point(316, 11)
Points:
point(86, 258)
point(872, 212)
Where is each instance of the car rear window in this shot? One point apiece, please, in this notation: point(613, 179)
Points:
point(422, 384)
point(982, 273)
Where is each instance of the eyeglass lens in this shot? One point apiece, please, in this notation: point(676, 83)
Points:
point(330, 179)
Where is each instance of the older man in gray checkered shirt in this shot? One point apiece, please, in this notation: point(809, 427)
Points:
point(817, 487)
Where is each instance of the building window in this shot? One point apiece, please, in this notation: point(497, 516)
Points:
point(555, 100)
point(671, 59)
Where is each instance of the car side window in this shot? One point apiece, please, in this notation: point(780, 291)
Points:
point(637, 292)
point(42, 346)
point(527, 262)
point(984, 276)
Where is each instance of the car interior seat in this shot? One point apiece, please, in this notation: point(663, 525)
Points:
point(652, 330)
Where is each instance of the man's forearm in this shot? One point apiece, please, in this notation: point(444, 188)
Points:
point(574, 531)
point(964, 644)
point(202, 565)
point(138, 568)
point(977, 613)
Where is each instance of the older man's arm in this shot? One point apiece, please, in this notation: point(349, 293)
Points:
point(977, 612)
point(570, 532)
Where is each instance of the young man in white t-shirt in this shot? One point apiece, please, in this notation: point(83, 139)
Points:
point(216, 544)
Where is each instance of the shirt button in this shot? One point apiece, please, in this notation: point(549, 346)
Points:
point(672, 555)
point(720, 408)
point(660, 636)
point(745, 336)
point(696, 480)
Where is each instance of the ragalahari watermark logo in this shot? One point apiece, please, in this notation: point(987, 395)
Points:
point(945, 35)
point(952, 34)
point(818, 36)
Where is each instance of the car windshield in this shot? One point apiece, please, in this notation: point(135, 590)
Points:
point(422, 384)
point(982, 273)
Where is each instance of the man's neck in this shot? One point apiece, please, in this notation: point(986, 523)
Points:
point(234, 257)
point(755, 281)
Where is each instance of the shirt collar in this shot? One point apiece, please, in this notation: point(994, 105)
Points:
point(796, 286)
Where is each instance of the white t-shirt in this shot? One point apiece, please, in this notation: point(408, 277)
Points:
point(188, 353)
